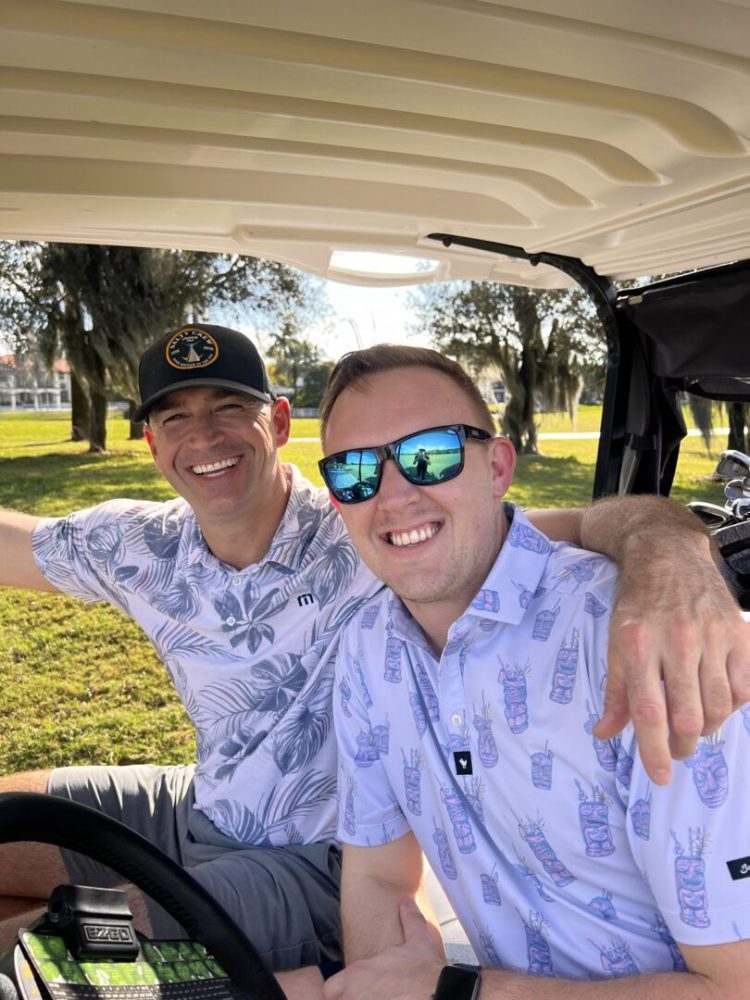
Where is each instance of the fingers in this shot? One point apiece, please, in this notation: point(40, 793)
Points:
point(704, 665)
point(715, 679)
point(681, 671)
point(642, 677)
point(616, 713)
point(738, 666)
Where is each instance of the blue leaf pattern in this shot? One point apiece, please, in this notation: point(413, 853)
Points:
point(337, 571)
point(305, 729)
point(162, 538)
point(277, 810)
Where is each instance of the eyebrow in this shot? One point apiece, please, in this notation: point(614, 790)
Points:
point(163, 406)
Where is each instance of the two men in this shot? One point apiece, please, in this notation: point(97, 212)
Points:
point(466, 699)
point(243, 584)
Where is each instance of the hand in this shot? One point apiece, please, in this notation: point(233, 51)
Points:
point(407, 972)
point(674, 621)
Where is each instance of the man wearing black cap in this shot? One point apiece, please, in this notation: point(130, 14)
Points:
point(242, 583)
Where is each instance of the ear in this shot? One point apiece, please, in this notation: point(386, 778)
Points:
point(149, 436)
point(502, 458)
point(281, 418)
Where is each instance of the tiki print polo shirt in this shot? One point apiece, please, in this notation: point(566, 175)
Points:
point(250, 651)
point(557, 854)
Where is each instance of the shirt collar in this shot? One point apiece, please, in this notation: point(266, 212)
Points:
point(514, 580)
point(301, 519)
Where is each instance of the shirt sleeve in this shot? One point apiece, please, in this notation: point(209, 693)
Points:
point(83, 554)
point(368, 813)
point(691, 838)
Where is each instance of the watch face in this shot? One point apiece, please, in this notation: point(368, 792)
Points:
point(456, 983)
point(191, 348)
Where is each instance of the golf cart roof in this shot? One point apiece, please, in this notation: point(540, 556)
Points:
point(606, 131)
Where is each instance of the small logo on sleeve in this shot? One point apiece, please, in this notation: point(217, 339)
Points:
point(740, 868)
point(462, 760)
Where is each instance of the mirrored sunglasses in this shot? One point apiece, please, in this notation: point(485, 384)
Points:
point(426, 458)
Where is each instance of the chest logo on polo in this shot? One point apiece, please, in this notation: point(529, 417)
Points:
point(739, 868)
point(462, 761)
point(191, 348)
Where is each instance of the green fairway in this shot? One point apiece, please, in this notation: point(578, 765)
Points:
point(80, 683)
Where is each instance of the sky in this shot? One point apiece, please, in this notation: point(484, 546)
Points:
point(365, 316)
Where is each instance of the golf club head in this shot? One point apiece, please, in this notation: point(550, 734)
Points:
point(735, 490)
point(712, 515)
point(733, 464)
point(741, 508)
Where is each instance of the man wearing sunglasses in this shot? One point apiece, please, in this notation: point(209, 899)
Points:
point(242, 583)
point(465, 700)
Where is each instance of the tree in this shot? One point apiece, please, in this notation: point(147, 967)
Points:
point(702, 411)
point(739, 418)
point(101, 306)
point(540, 341)
point(316, 379)
point(297, 361)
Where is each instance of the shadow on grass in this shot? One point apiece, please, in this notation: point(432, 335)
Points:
point(547, 481)
point(56, 484)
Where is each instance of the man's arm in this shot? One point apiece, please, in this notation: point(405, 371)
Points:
point(374, 880)
point(717, 972)
point(18, 567)
point(409, 971)
point(674, 622)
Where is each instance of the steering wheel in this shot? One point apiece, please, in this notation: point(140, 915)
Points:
point(49, 819)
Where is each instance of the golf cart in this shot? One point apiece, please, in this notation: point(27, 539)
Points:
point(537, 142)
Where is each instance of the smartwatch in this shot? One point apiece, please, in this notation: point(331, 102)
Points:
point(458, 982)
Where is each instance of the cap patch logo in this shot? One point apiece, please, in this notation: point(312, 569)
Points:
point(191, 348)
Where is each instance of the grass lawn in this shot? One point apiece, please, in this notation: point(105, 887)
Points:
point(80, 683)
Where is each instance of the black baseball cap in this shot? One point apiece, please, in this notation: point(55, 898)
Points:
point(201, 356)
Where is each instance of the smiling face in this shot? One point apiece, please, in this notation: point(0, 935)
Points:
point(433, 545)
point(219, 450)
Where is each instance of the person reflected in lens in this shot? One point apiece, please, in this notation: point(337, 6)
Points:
point(421, 460)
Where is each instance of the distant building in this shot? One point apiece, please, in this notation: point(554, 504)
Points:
point(26, 384)
point(490, 384)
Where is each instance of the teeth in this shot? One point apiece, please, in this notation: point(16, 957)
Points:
point(225, 463)
point(414, 536)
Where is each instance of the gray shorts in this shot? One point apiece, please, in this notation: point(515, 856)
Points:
point(286, 899)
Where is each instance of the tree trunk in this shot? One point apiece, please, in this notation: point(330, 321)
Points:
point(79, 410)
point(136, 426)
point(736, 413)
point(512, 422)
point(98, 422)
point(527, 318)
point(529, 382)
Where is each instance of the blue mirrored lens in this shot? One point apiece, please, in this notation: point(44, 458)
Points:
point(353, 475)
point(430, 456)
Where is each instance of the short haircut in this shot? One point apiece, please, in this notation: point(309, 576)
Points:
point(359, 365)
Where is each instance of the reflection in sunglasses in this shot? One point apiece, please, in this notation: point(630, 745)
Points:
point(427, 457)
